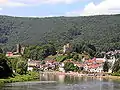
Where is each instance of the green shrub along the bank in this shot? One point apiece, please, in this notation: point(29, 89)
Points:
point(116, 74)
point(20, 78)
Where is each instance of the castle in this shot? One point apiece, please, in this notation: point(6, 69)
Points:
point(67, 48)
point(19, 51)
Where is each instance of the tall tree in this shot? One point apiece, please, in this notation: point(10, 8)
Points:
point(5, 69)
point(116, 66)
point(69, 66)
point(1, 51)
point(106, 66)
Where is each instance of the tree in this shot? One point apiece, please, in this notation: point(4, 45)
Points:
point(21, 67)
point(106, 66)
point(116, 66)
point(61, 58)
point(19, 64)
point(89, 49)
point(69, 66)
point(39, 52)
point(5, 70)
point(77, 57)
point(1, 51)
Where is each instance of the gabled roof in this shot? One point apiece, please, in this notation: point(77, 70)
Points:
point(94, 66)
point(89, 61)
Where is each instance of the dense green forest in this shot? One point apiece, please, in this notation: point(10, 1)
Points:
point(101, 32)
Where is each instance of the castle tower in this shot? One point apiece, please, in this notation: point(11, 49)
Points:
point(64, 48)
point(22, 50)
point(18, 48)
point(67, 48)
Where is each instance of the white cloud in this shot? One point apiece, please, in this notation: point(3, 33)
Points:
point(10, 3)
point(49, 1)
point(104, 7)
point(21, 3)
point(38, 2)
point(13, 4)
point(59, 1)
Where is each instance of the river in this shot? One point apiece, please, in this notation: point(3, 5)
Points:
point(63, 82)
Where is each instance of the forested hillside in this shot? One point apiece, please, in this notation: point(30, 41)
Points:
point(101, 31)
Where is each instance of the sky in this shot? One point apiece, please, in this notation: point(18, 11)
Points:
point(49, 8)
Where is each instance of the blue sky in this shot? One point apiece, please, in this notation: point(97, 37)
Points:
point(43, 8)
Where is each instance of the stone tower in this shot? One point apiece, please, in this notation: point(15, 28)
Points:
point(67, 48)
point(22, 50)
point(18, 48)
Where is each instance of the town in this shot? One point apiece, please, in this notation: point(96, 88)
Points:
point(88, 65)
point(59, 44)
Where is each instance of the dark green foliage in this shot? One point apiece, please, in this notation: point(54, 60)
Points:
point(5, 70)
point(43, 62)
point(116, 73)
point(99, 54)
point(19, 65)
point(30, 76)
point(69, 66)
point(116, 66)
point(72, 56)
point(75, 56)
point(39, 52)
point(61, 58)
point(106, 66)
point(84, 47)
point(117, 55)
point(13, 63)
point(101, 31)
point(1, 51)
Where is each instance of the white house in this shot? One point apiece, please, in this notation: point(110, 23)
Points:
point(33, 64)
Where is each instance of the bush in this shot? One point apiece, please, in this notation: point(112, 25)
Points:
point(19, 64)
point(1, 82)
point(20, 78)
point(69, 66)
point(61, 58)
point(5, 70)
point(116, 74)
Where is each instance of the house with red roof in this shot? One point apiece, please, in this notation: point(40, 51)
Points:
point(9, 54)
point(94, 65)
point(33, 64)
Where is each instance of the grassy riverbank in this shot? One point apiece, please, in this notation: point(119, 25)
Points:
point(20, 78)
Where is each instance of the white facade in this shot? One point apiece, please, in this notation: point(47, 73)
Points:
point(98, 69)
point(61, 69)
point(30, 69)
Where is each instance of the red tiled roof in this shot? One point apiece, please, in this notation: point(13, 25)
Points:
point(94, 66)
point(89, 61)
point(99, 61)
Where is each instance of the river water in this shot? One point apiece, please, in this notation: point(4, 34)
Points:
point(62, 82)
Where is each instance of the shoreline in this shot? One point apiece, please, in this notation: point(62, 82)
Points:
point(31, 76)
point(34, 76)
point(85, 75)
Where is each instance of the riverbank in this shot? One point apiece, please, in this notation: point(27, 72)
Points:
point(76, 74)
point(31, 76)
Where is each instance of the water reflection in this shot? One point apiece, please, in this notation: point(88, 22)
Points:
point(61, 78)
point(65, 83)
